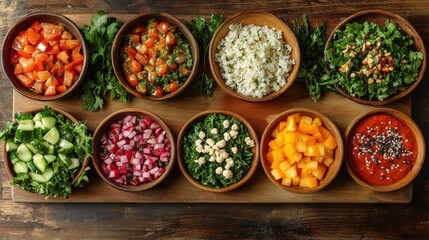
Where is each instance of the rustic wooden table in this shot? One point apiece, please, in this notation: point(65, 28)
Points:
point(203, 220)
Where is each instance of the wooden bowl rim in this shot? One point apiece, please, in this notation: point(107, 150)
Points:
point(9, 165)
point(200, 116)
point(401, 21)
point(286, 30)
point(141, 19)
point(405, 119)
point(24, 23)
point(339, 151)
point(116, 116)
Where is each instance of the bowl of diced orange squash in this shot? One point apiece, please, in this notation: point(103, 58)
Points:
point(301, 150)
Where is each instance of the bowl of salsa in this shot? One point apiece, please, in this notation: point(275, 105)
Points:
point(385, 149)
point(155, 56)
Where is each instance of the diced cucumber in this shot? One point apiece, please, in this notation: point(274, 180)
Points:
point(23, 153)
point(20, 167)
point(50, 158)
point(66, 147)
point(74, 163)
point(51, 150)
point(32, 148)
point(52, 136)
point(67, 162)
point(39, 124)
point(26, 122)
point(11, 146)
point(49, 122)
point(44, 114)
point(41, 148)
point(40, 162)
point(24, 135)
point(48, 174)
point(25, 116)
point(37, 177)
point(26, 127)
point(13, 158)
point(36, 117)
point(32, 167)
point(38, 133)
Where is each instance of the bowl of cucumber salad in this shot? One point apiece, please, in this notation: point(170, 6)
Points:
point(46, 151)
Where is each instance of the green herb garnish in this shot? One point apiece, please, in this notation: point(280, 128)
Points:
point(313, 67)
point(100, 81)
point(373, 62)
point(204, 30)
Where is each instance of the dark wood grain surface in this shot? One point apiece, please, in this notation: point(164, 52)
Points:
point(220, 221)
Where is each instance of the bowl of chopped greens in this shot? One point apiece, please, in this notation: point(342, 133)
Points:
point(134, 150)
point(46, 151)
point(217, 150)
point(155, 56)
point(375, 57)
point(44, 56)
point(254, 56)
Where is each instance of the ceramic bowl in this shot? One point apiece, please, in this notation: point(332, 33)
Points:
point(8, 163)
point(258, 18)
point(331, 171)
point(143, 19)
point(379, 17)
point(181, 158)
point(420, 150)
point(105, 126)
point(25, 23)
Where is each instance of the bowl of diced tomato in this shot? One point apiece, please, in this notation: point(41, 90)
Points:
point(155, 56)
point(44, 56)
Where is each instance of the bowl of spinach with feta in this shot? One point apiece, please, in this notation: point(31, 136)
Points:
point(46, 151)
point(375, 57)
point(217, 150)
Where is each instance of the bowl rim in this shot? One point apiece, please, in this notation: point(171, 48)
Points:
point(18, 26)
point(9, 166)
point(142, 19)
point(198, 117)
point(401, 21)
point(327, 123)
point(420, 157)
point(292, 74)
point(116, 116)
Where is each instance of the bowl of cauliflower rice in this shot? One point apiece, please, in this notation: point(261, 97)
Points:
point(254, 56)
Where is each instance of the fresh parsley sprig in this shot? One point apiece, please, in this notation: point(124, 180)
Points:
point(204, 30)
point(100, 80)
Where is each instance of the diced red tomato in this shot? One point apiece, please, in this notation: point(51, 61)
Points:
point(77, 57)
point(139, 29)
point(152, 53)
point(162, 70)
point(129, 50)
point(38, 87)
point(163, 26)
point(78, 68)
point(141, 58)
point(132, 80)
point(66, 35)
point(14, 58)
point(170, 39)
point(36, 26)
point(184, 71)
point(149, 42)
point(52, 81)
point(135, 66)
point(50, 91)
point(33, 36)
point(71, 44)
point(52, 50)
point(38, 66)
point(173, 86)
point(27, 64)
point(160, 45)
point(68, 78)
point(50, 31)
point(69, 67)
point(135, 38)
point(43, 75)
point(63, 56)
point(61, 88)
point(26, 81)
point(18, 69)
point(158, 92)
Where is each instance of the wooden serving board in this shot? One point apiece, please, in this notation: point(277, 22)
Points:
point(175, 112)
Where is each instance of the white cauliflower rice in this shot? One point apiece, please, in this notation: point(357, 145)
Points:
point(254, 61)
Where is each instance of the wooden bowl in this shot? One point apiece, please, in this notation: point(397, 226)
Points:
point(420, 142)
point(142, 19)
point(105, 125)
point(379, 17)
point(338, 152)
point(23, 24)
point(8, 164)
point(200, 117)
point(259, 18)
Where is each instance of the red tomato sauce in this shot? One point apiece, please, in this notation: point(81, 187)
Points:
point(47, 58)
point(384, 149)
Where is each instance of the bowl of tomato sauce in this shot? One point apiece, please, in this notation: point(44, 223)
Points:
point(155, 56)
point(44, 56)
point(385, 149)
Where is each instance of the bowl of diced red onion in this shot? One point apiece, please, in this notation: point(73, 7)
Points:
point(134, 149)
